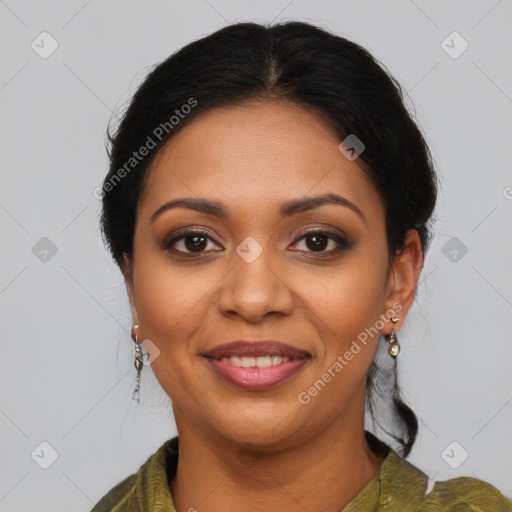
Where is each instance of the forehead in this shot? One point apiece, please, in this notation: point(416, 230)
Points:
point(256, 153)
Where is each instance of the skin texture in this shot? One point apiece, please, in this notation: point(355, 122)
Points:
point(265, 448)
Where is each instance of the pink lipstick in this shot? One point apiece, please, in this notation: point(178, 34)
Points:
point(256, 365)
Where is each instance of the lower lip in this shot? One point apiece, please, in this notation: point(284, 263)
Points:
point(257, 378)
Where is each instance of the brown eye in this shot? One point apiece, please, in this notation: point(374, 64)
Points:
point(318, 241)
point(195, 243)
point(188, 243)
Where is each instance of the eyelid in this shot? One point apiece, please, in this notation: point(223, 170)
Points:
point(331, 232)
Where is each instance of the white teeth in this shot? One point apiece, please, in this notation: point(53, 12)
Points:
point(258, 362)
point(235, 361)
point(263, 362)
point(248, 362)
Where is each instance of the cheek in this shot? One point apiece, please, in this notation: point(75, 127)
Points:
point(171, 304)
point(172, 307)
point(350, 299)
point(346, 306)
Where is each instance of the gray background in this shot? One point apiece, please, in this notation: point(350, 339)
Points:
point(67, 367)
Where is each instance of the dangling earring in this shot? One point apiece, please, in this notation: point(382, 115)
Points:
point(137, 363)
point(394, 347)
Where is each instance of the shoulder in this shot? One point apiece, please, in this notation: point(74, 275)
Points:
point(467, 493)
point(408, 488)
point(120, 498)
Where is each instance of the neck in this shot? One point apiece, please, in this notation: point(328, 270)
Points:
point(324, 472)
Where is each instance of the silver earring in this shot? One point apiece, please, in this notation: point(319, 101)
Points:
point(394, 347)
point(137, 363)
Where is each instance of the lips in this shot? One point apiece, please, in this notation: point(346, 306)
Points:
point(256, 349)
point(256, 365)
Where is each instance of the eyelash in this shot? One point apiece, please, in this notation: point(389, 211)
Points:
point(343, 244)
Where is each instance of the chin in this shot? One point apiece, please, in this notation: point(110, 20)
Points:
point(260, 427)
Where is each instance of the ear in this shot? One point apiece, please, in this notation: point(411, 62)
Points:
point(403, 278)
point(127, 270)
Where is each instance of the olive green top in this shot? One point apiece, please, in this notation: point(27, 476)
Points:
point(399, 486)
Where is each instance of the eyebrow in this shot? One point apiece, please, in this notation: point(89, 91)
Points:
point(287, 209)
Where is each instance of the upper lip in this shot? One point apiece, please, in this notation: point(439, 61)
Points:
point(243, 348)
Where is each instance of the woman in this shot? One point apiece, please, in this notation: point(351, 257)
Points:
point(268, 202)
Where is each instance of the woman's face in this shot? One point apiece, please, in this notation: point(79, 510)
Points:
point(251, 274)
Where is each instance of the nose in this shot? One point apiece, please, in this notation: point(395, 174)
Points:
point(255, 289)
